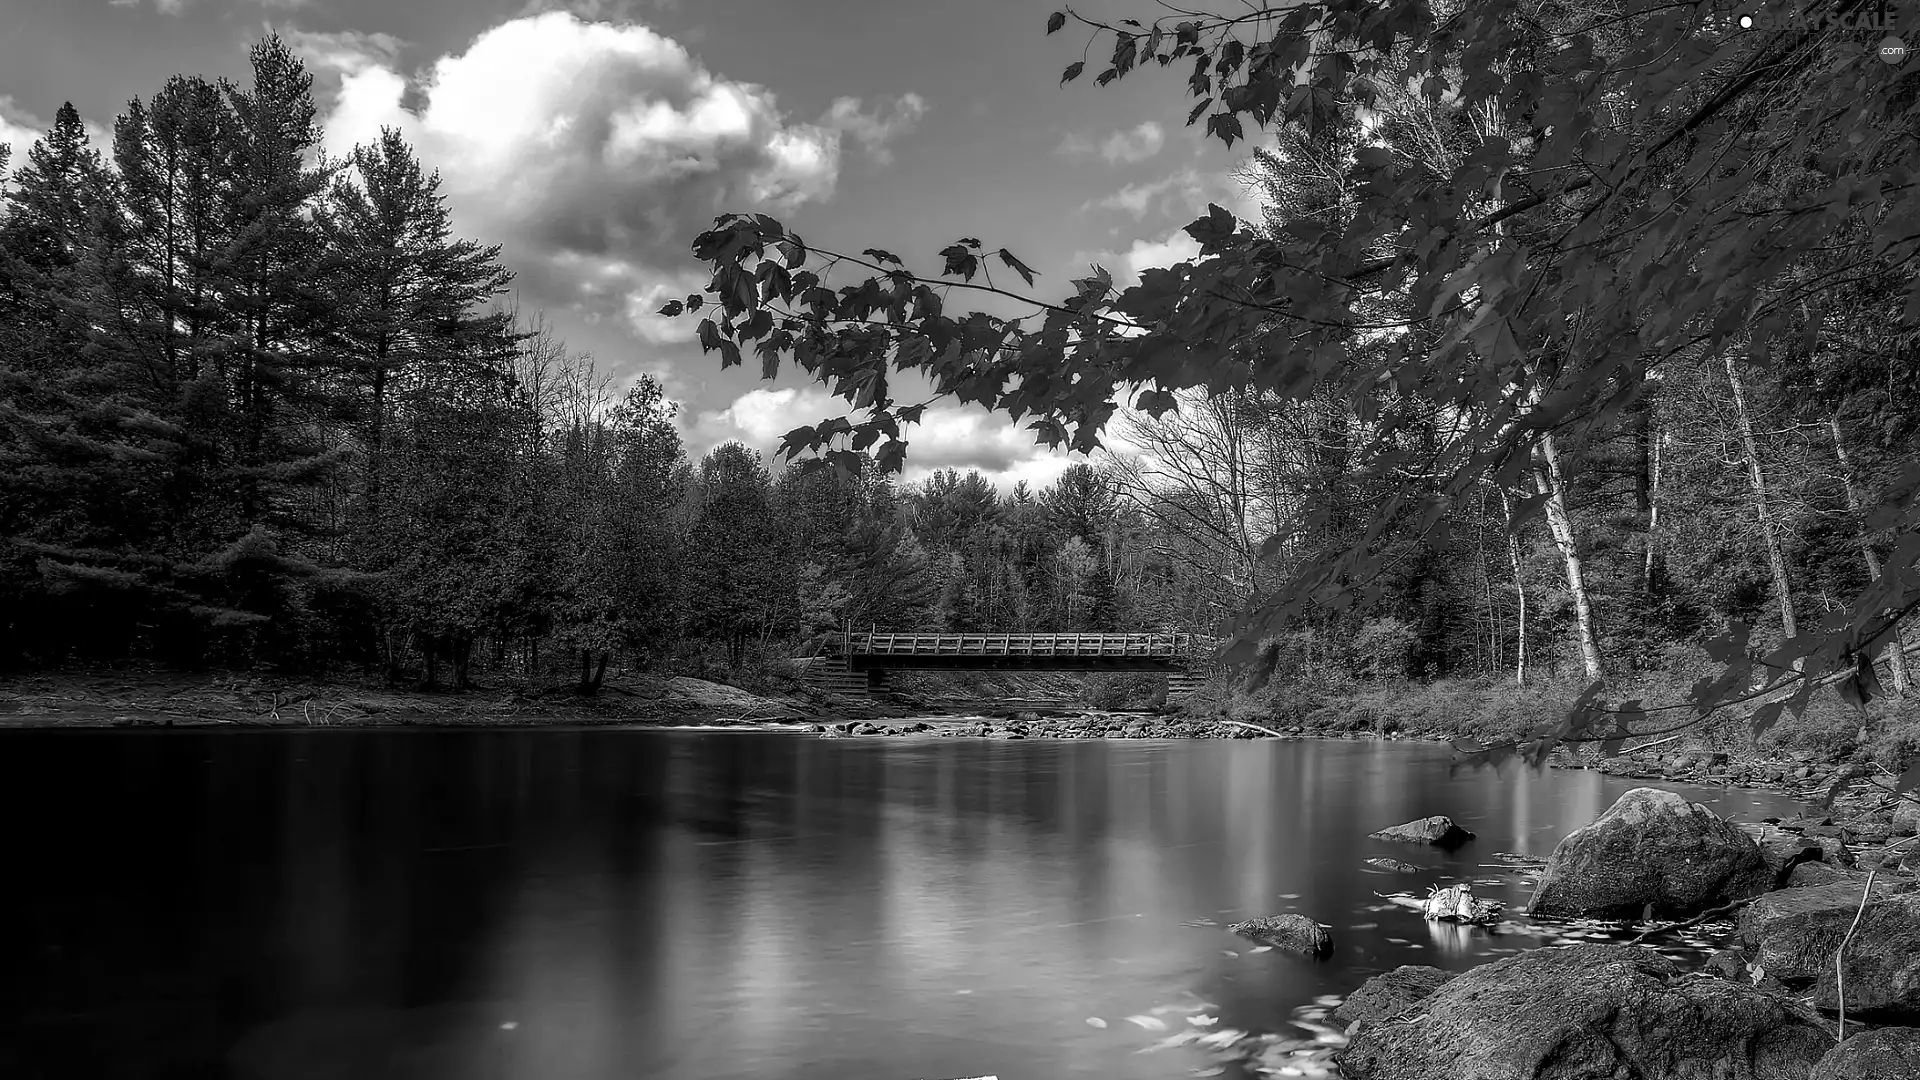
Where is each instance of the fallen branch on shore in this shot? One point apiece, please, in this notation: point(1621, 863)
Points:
point(1256, 727)
point(1705, 916)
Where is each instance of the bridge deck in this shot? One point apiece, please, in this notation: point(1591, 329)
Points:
point(1063, 645)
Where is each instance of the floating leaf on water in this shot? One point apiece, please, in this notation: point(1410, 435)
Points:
point(1219, 1040)
point(1214, 1071)
point(1364, 926)
point(1261, 949)
point(1178, 1038)
point(1151, 1023)
point(1094, 1021)
point(1229, 954)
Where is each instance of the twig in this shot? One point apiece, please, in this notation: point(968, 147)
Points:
point(1839, 969)
point(1656, 742)
point(1696, 920)
point(1256, 727)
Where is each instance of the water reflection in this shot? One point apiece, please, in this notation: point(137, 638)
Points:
point(558, 904)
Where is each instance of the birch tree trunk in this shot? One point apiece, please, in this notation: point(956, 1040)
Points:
point(1548, 481)
point(1896, 655)
point(1519, 591)
point(1655, 449)
point(1769, 530)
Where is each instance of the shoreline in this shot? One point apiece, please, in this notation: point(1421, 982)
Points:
point(153, 698)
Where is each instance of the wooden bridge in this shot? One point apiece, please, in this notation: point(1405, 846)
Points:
point(858, 663)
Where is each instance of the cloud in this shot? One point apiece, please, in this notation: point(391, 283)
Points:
point(18, 129)
point(1165, 250)
point(1137, 144)
point(947, 436)
point(1183, 191)
point(592, 152)
point(176, 7)
point(873, 131)
point(344, 52)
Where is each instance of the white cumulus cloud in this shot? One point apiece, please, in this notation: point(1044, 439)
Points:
point(593, 152)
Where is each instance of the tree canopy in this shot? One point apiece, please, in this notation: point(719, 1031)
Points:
point(1536, 212)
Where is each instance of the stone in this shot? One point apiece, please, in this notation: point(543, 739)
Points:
point(1390, 993)
point(1439, 830)
point(1866, 835)
point(1792, 934)
point(1588, 1012)
point(1654, 849)
point(1881, 964)
point(1783, 853)
point(1886, 1054)
point(1906, 818)
point(1394, 866)
point(1809, 874)
point(1294, 933)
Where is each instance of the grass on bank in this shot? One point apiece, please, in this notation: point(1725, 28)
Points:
point(1489, 710)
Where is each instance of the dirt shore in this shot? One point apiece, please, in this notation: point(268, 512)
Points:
point(156, 698)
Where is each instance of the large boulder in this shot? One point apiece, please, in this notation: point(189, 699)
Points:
point(1886, 1054)
point(1882, 965)
point(1651, 849)
point(1589, 1012)
point(1390, 993)
point(1439, 830)
point(1792, 934)
point(1294, 933)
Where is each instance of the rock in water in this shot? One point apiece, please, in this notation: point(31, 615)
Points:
point(1882, 975)
point(1886, 1054)
point(1584, 1013)
point(1654, 849)
point(1295, 933)
point(1394, 865)
point(1792, 934)
point(1390, 994)
point(1456, 903)
point(1439, 830)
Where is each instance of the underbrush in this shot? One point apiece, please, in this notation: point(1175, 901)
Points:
point(1490, 710)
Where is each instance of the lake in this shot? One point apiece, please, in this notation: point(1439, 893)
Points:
point(694, 905)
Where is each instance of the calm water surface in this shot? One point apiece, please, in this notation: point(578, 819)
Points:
point(549, 905)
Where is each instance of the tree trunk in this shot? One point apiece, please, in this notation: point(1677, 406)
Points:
point(461, 646)
point(430, 648)
point(1549, 482)
point(1519, 591)
point(1652, 453)
point(1896, 653)
point(1769, 532)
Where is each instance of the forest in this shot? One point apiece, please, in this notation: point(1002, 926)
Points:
point(265, 410)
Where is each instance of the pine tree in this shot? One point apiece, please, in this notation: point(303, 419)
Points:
point(405, 292)
point(267, 272)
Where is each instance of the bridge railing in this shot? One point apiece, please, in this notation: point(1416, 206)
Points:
point(1075, 645)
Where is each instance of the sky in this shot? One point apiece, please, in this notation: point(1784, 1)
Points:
point(594, 139)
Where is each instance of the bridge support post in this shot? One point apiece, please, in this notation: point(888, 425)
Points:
point(1181, 685)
